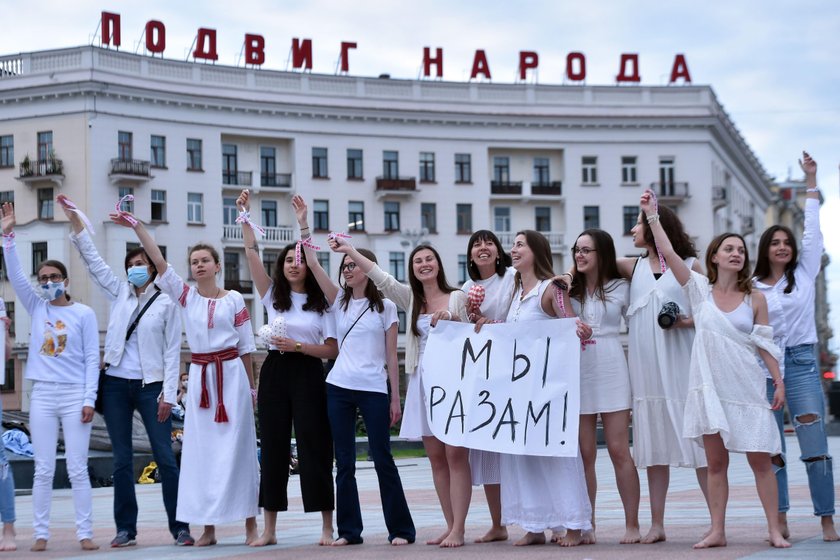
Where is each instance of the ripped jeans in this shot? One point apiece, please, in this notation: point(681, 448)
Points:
point(804, 396)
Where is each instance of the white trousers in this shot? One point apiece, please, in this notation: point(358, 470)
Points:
point(50, 404)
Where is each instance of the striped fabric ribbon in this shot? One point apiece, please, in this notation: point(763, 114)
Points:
point(128, 217)
point(662, 265)
point(245, 218)
point(69, 204)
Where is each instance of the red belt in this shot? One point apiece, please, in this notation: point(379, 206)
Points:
point(214, 358)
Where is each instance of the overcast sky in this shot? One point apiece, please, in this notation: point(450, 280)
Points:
point(774, 64)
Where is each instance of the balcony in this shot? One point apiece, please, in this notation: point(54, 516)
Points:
point(233, 179)
point(132, 171)
point(276, 180)
point(241, 286)
point(555, 240)
point(508, 188)
point(42, 170)
point(671, 192)
point(550, 188)
point(718, 197)
point(395, 186)
point(274, 236)
point(747, 225)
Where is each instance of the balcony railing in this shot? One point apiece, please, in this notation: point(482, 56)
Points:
point(41, 168)
point(555, 239)
point(718, 197)
point(554, 188)
point(278, 180)
point(506, 187)
point(273, 235)
point(670, 190)
point(396, 184)
point(241, 286)
point(238, 178)
point(747, 225)
point(133, 167)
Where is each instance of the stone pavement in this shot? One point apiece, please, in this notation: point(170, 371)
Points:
point(686, 519)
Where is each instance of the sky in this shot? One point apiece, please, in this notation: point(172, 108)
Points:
point(773, 64)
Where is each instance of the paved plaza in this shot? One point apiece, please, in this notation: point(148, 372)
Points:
point(686, 519)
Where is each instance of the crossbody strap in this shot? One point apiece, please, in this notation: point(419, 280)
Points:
point(353, 325)
point(137, 319)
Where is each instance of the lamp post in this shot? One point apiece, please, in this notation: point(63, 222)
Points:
point(412, 238)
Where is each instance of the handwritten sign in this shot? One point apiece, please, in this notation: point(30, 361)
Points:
point(512, 388)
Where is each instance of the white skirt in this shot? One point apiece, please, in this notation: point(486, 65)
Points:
point(415, 424)
point(484, 467)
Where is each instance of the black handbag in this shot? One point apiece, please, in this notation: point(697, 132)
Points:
point(98, 405)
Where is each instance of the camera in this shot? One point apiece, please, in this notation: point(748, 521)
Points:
point(668, 315)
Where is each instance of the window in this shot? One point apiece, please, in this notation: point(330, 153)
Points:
point(463, 213)
point(39, 255)
point(45, 145)
point(324, 260)
point(229, 164)
point(268, 167)
point(428, 216)
point(158, 151)
point(631, 216)
point(321, 215)
point(501, 218)
point(390, 164)
point(462, 269)
point(45, 204)
point(427, 167)
point(124, 143)
point(269, 260)
point(401, 322)
point(319, 163)
point(129, 247)
point(396, 263)
point(589, 170)
point(7, 151)
point(158, 206)
point(541, 173)
point(193, 154)
point(463, 168)
point(232, 267)
point(392, 216)
point(542, 218)
point(269, 213)
point(628, 169)
point(666, 176)
point(229, 211)
point(591, 217)
point(7, 196)
point(356, 216)
point(127, 205)
point(354, 164)
point(195, 208)
point(501, 170)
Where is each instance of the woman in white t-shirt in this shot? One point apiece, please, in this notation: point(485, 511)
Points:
point(366, 327)
point(291, 390)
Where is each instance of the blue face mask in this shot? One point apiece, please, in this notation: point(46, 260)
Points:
point(52, 290)
point(138, 275)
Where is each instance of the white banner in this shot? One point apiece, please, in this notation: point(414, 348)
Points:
point(512, 388)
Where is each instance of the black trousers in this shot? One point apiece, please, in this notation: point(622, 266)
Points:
point(292, 392)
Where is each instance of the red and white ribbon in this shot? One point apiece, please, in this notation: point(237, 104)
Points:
point(128, 217)
point(558, 297)
point(662, 265)
point(69, 204)
point(475, 297)
point(301, 243)
point(245, 218)
point(335, 234)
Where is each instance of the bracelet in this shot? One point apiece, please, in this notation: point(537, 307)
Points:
point(779, 383)
point(10, 235)
point(303, 228)
point(307, 236)
point(815, 189)
point(653, 218)
point(449, 313)
point(253, 247)
point(253, 393)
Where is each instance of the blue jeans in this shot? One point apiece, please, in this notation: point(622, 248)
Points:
point(342, 405)
point(804, 396)
point(7, 483)
point(120, 397)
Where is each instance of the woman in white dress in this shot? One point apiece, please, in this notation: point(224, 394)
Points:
point(726, 408)
point(658, 363)
point(430, 299)
point(542, 493)
point(219, 472)
point(489, 267)
point(600, 297)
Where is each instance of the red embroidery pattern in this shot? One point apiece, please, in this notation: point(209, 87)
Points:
point(241, 318)
point(211, 311)
point(183, 299)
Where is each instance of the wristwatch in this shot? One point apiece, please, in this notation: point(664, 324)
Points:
point(298, 346)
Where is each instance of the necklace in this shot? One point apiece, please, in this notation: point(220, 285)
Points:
point(218, 291)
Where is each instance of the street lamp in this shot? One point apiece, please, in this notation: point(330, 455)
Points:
point(413, 238)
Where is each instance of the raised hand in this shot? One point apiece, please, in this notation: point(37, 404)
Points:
point(807, 164)
point(8, 221)
point(339, 245)
point(121, 219)
point(299, 206)
point(646, 203)
point(243, 201)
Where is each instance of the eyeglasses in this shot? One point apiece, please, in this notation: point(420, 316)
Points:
point(351, 266)
point(51, 278)
point(583, 251)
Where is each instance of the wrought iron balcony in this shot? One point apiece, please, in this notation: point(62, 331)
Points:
point(278, 180)
point(391, 184)
point(747, 225)
point(133, 167)
point(671, 192)
point(35, 171)
point(719, 197)
point(238, 178)
point(554, 188)
point(506, 187)
point(241, 286)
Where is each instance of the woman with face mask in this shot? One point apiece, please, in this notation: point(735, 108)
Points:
point(145, 382)
point(63, 365)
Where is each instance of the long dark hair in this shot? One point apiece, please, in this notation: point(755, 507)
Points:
point(502, 262)
point(60, 266)
point(281, 290)
point(744, 280)
point(762, 261)
point(607, 268)
point(680, 241)
point(417, 286)
point(543, 268)
point(372, 293)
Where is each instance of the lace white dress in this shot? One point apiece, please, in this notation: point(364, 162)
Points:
point(727, 388)
point(415, 425)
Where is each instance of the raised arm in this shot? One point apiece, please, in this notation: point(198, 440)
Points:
point(810, 257)
point(262, 280)
point(327, 286)
point(18, 278)
point(125, 219)
point(672, 259)
point(387, 284)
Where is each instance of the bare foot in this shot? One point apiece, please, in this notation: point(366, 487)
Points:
point(557, 535)
point(587, 537)
point(655, 535)
point(440, 539)
point(207, 538)
point(493, 535)
point(783, 525)
point(778, 541)
point(453, 540)
point(7, 543)
point(715, 539)
point(340, 541)
point(828, 530)
point(631, 536)
point(399, 541)
point(40, 545)
point(531, 538)
point(88, 544)
point(326, 537)
point(573, 537)
point(264, 540)
point(251, 531)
